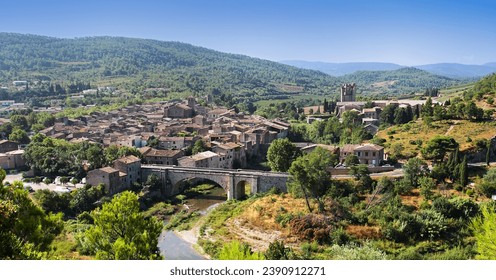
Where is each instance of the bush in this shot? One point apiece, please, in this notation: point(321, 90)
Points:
point(457, 253)
point(312, 227)
point(277, 251)
point(284, 218)
point(355, 252)
point(238, 251)
point(340, 237)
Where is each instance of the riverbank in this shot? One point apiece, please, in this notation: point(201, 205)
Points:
point(183, 244)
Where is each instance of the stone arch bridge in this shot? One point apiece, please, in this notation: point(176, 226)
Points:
point(232, 180)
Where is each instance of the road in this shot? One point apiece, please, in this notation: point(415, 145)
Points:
point(397, 173)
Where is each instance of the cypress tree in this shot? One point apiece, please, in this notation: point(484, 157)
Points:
point(488, 152)
point(463, 172)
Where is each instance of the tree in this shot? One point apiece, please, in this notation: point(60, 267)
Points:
point(152, 142)
point(351, 160)
point(361, 173)
point(414, 168)
point(114, 152)
point(426, 186)
point(488, 152)
point(463, 172)
point(20, 136)
point(19, 121)
point(488, 185)
point(427, 110)
point(309, 175)
point(198, 147)
point(52, 201)
point(85, 198)
point(484, 228)
point(121, 231)
point(26, 232)
point(438, 146)
point(281, 154)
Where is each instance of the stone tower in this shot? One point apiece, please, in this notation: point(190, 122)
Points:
point(191, 102)
point(348, 92)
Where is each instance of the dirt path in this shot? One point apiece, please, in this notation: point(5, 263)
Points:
point(451, 128)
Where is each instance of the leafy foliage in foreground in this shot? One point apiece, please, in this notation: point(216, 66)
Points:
point(26, 232)
point(121, 232)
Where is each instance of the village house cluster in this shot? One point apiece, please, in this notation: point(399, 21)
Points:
point(370, 116)
point(231, 138)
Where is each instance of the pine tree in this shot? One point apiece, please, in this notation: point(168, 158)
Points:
point(427, 110)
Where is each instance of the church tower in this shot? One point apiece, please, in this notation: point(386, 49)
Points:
point(348, 92)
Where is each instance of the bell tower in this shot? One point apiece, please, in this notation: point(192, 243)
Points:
point(348, 92)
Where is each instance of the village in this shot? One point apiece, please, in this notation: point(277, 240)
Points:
point(165, 132)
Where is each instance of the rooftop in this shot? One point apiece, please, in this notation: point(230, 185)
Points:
point(129, 159)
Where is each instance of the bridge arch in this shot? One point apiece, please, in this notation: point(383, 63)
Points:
point(184, 184)
point(234, 182)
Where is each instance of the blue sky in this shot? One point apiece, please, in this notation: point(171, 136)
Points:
point(407, 32)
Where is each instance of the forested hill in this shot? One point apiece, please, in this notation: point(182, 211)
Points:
point(141, 63)
point(398, 82)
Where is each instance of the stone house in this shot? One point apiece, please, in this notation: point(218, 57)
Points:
point(167, 157)
point(12, 160)
point(174, 143)
point(369, 154)
point(178, 111)
point(107, 176)
point(233, 155)
point(7, 146)
point(206, 159)
point(131, 166)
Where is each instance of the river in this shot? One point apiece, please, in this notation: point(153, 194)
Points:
point(171, 246)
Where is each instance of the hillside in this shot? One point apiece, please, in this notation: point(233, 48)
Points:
point(468, 133)
point(398, 82)
point(135, 64)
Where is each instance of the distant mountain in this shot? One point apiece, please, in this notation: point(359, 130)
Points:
point(340, 69)
point(491, 64)
point(452, 70)
point(455, 70)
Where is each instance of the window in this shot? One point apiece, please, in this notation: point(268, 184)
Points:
point(366, 154)
point(373, 154)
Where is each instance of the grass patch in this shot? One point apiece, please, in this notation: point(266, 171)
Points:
point(183, 220)
point(160, 210)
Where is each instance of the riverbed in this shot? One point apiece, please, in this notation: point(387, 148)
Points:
point(172, 246)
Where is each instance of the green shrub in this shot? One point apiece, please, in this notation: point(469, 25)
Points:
point(235, 250)
point(355, 252)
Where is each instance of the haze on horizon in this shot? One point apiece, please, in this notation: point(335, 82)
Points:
point(403, 32)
